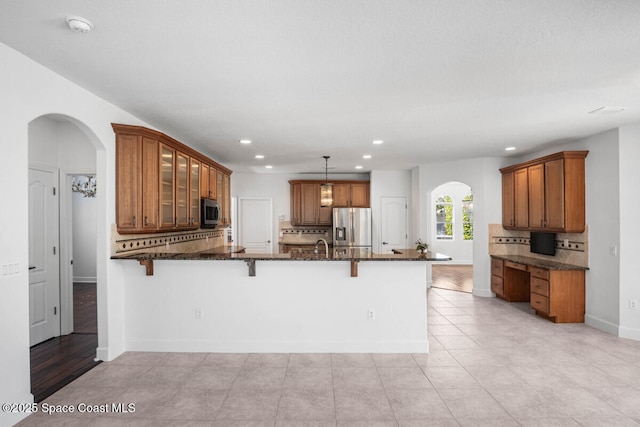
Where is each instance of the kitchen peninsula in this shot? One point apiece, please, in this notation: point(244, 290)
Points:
point(208, 301)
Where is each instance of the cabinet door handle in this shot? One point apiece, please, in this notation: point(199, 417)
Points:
point(134, 221)
point(146, 221)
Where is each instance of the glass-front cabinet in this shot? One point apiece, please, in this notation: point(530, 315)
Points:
point(167, 199)
point(159, 183)
point(194, 188)
point(182, 190)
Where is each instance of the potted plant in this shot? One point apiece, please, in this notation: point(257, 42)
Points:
point(421, 246)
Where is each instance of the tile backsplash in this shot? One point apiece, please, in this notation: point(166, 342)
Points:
point(571, 248)
point(172, 242)
point(302, 235)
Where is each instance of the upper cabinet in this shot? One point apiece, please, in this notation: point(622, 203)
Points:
point(545, 194)
point(351, 195)
point(159, 182)
point(305, 200)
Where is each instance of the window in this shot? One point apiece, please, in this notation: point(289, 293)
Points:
point(444, 218)
point(467, 217)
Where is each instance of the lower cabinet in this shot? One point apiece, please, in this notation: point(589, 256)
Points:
point(555, 294)
point(561, 298)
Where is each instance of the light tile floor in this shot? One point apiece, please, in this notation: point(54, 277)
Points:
point(491, 364)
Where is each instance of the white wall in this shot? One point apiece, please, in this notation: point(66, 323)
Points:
point(29, 91)
point(84, 238)
point(459, 249)
point(389, 184)
point(629, 153)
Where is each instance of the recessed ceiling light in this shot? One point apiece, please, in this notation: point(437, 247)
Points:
point(366, 156)
point(259, 156)
point(377, 142)
point(268, 167)
point(608, 110)
point(359, 167)
point(79, 24)
point(245, 141)
point(509, 148)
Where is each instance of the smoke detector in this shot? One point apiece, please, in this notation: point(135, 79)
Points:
point(78, 24)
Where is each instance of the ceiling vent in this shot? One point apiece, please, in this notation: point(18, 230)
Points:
point(608, 110)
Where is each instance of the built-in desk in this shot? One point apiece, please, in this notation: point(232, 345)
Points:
point(556, 291)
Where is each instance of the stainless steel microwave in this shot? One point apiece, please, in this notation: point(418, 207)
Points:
point(210, 212)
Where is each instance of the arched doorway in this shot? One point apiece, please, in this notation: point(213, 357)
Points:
point(452, 233)
point(63, 148)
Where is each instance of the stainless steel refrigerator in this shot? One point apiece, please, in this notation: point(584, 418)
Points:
point(352, 227)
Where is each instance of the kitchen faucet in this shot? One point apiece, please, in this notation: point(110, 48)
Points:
point(326, 247)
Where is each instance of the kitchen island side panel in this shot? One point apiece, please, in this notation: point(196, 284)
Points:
point(289, 306)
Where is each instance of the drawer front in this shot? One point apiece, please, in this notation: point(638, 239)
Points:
point(539, 286)
point(539, 272)
point(515, 265)
point(496, 267)
point(497, 285)
point(540, 303)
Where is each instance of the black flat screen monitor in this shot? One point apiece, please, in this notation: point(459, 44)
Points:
point(543, 243)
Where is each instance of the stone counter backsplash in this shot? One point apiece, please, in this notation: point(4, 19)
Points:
point(571, 248)
point(171, 242)
point(289, 234)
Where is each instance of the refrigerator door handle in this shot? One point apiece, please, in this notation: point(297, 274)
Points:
point(353, 229)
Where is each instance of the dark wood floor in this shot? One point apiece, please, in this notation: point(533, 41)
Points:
point(453, 277)
point(58, 361)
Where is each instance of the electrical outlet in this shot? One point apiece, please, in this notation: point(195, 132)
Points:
point(633, 304)
point(199, 313)
point(371, 315)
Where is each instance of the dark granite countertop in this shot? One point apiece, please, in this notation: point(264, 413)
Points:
point(540, 263)
point(341, 254)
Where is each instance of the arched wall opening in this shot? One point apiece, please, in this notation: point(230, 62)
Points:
point(62, 143)
point(451, 225)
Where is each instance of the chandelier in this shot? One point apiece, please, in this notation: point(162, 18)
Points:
point(326, 189)
point(85, 184)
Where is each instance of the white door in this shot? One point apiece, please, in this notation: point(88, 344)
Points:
point(393, 224)
point(255, 224)
point(44, 285)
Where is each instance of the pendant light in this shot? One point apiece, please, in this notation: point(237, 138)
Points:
point(326, 189)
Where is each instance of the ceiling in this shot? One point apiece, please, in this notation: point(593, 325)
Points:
point(436, 80)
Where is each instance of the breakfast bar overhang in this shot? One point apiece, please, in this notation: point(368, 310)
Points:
point(209, 303)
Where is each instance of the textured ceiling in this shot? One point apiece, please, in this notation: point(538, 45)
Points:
point(436, 80)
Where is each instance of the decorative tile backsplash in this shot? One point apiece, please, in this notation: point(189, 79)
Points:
point(571, 248)
point(302, 235)
point(185, 241)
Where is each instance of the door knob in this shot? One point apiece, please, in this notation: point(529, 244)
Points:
point(32, 267)
point(385, 243)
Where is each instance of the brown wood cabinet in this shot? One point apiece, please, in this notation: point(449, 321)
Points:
point(508, 200)
point(159, 182)
point(555, 294)
point(548, 193)
point(305, 200)
point(208, 182)
point(351, 195)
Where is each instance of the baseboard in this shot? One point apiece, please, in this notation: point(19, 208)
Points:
point(630, 333)
point(486, 293)
point(85, 280)
point(280, 346)
point(602, 324)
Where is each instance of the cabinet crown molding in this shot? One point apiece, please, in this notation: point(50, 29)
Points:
point(542, 160)
point(122, 129)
